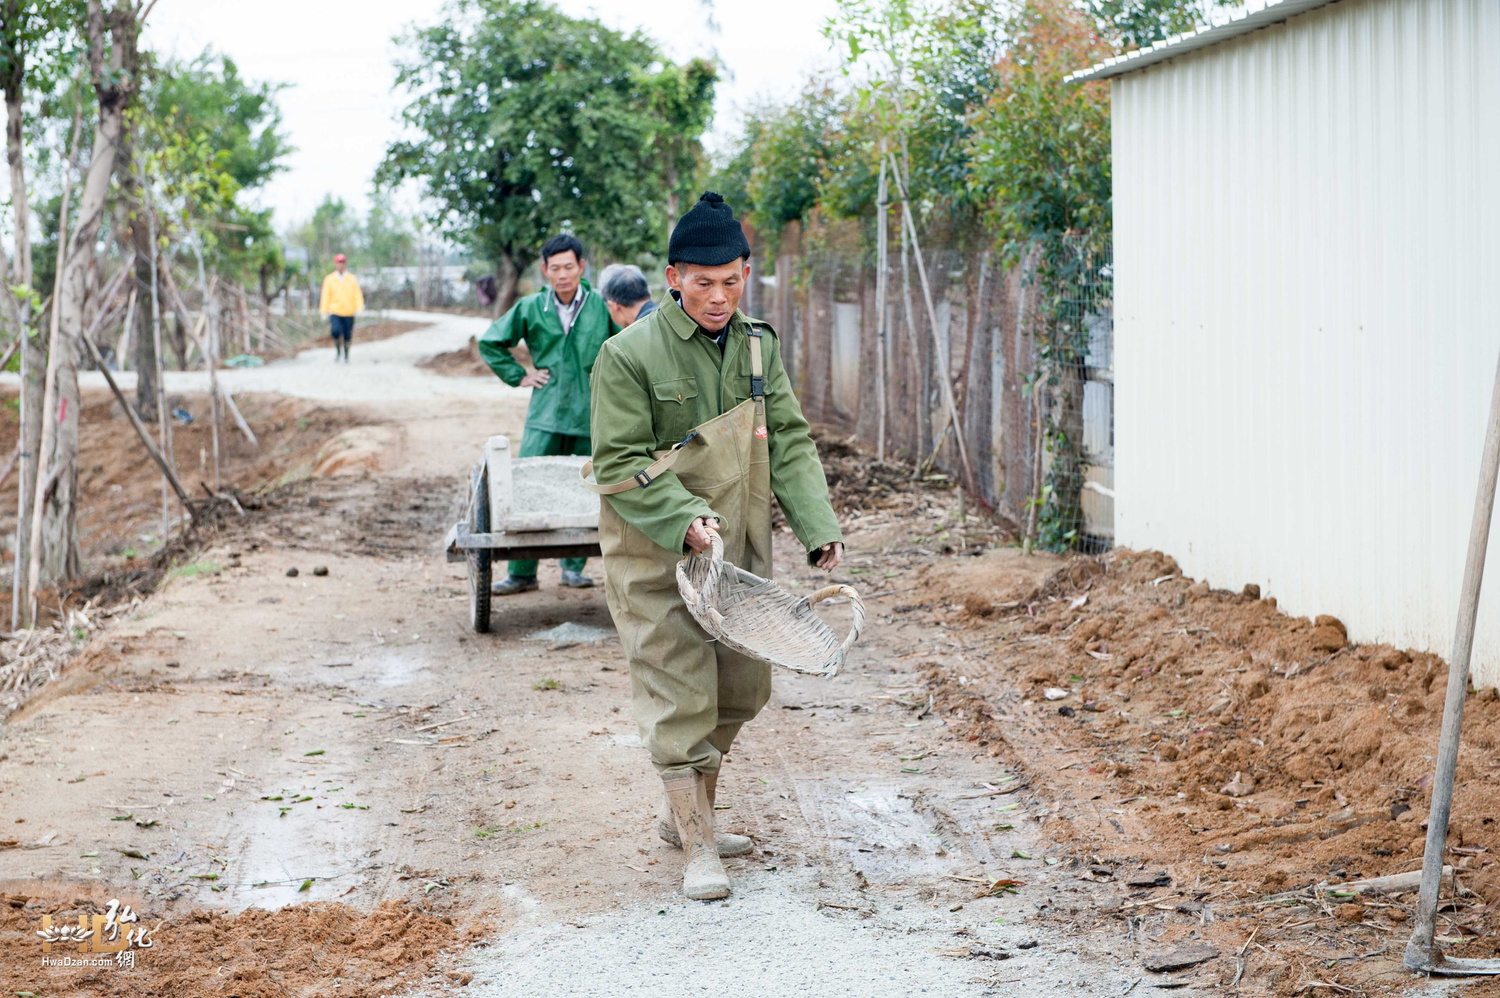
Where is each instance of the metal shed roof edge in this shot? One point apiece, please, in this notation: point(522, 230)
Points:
point(1243, 22)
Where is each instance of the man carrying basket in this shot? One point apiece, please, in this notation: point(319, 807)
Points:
point(695, 426)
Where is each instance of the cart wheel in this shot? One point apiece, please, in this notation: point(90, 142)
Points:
point(479, 558)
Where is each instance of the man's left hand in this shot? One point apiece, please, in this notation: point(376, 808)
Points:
point(832, 555)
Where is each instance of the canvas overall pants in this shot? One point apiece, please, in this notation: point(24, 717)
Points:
point(690, 695)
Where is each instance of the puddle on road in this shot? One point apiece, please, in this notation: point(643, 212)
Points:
point(327, 845)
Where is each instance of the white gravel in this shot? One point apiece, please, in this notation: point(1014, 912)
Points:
point(382, 371)
point(571, 633)
point(769, 940)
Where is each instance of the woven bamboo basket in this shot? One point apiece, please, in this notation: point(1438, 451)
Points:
point(757, 617)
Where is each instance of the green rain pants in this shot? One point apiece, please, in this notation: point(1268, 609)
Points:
point(689, 693)
point(543, 443)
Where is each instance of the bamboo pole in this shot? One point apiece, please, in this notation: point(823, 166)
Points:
point(135, 422)
point(911, 330)
point(1421, 951)
point(239, 420)
point(939, 342)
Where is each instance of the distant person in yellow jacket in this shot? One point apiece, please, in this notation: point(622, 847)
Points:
point(342, 300)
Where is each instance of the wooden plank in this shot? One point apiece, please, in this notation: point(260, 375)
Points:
point(462, 539)
point(497, 467)
point(550, 521)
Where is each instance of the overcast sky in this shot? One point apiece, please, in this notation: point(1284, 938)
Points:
point(340, 106)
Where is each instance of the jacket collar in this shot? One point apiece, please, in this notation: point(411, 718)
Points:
point(683, 324)
point(549, 297)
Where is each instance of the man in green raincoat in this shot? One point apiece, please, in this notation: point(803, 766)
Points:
point(698, 374)
point(563, 326)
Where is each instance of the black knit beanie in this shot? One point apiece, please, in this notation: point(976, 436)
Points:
point(708, 235)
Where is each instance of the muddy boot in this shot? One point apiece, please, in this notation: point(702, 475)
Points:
point(729, 843)
point(703, 876)
point(513, 584)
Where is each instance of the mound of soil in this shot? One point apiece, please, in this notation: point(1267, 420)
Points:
point(462, 363)
point(308, 949)
point(1235, 746)
point(119, 515)
point(371, 332)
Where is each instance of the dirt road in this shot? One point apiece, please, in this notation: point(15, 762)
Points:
point(1036, 777)
point(342, 743)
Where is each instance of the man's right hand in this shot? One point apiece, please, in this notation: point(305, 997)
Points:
point(697, 536)
point(536, 378)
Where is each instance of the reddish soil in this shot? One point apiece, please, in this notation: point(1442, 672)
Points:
point(463, 363)
point(366, 333)
point(120, 512)
point(323, 948)
point(1243, 751)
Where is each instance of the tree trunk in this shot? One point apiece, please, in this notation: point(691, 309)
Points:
point(58, 555)
point(15, 153)
point(507, 276)
point(136, 234)
point(33, 357)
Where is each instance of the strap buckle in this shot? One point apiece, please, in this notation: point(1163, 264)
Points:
point(757, 386)
point(692, 435)
point(642, 478)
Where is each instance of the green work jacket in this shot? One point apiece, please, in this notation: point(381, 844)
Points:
point(562, 404)
point(660, 378)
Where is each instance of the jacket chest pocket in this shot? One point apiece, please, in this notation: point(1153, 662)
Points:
point(674, 408)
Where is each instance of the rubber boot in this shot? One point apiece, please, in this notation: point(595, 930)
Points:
point(703, 876)
point(729, 843)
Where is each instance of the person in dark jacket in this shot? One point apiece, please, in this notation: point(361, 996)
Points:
point(626, 294)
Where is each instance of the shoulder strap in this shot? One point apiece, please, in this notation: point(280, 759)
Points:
point(757, 373)
point(642, 478)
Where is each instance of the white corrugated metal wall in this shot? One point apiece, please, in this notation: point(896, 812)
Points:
point(1306, 329)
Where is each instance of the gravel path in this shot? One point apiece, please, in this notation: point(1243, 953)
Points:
point(770, 940)
point(385, 370)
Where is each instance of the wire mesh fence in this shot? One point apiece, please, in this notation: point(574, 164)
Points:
point(1028, 431)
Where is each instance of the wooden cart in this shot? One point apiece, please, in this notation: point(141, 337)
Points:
point(520, 508)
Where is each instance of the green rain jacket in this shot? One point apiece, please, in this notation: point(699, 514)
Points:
point(660, 378)
point(562, 404)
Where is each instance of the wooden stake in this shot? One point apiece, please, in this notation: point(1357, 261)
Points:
point(239, 420)
point(1421, 951)
point(939, 342)
point(135, 422)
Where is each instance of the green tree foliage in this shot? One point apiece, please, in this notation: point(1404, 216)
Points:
point(1132, 24)
point(207, 96)
point(1040, 146)
point(790, 154)
point(207, 136)
point(525, 121)
point(1040, 149)
point(681, 99)
point(389, 239)
point(332, 229)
